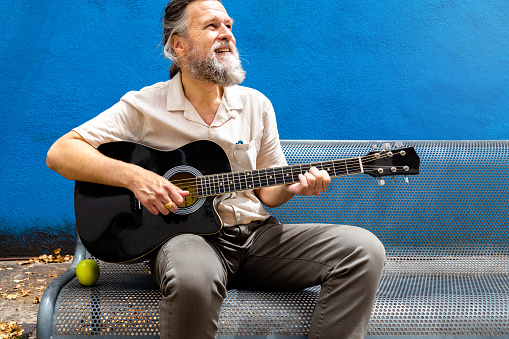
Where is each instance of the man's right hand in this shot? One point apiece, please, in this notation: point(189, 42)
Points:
point(154, 191)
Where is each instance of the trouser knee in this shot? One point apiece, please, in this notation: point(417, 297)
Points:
point(189, 269)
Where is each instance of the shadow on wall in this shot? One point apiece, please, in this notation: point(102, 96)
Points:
point(35, 241)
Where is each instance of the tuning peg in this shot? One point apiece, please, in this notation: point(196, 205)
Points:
point(386, 146)
point(374, 147)
point(381, 181)
point(405, 178)
point(399, 144)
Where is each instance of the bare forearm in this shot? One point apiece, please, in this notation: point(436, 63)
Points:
point(274, 196)
point(75, 159)
point(313, 182)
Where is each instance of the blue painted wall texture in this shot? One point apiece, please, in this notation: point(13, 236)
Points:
point(368, 69)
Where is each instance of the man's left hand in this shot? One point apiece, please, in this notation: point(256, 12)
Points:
point(313, 182)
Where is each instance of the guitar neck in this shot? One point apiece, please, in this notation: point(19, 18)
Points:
point(217, 184)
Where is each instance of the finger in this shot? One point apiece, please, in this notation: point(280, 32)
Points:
point(322, 180)
point(326, 180)
point(177, 195)
point(161, 207)
point(312, 183)
point(152, 209)
point(304, 185)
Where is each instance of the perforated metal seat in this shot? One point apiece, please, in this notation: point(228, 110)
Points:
point(446, 236)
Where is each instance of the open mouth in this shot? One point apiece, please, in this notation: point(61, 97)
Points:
point(222, 50)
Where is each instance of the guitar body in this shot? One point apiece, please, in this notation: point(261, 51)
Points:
point(115, 227)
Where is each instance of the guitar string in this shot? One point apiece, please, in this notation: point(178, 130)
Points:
point(343, 165)
point(210, 188)
point(213, 180)
point(237, 176)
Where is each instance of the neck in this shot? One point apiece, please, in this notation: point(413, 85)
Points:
point(203, 95)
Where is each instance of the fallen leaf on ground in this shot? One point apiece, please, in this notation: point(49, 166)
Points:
point(57, 258)
point(10, 330)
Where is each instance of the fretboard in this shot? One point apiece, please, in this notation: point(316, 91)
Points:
point(217, 184)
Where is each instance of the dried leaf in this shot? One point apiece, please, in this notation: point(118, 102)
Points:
point(57, 251)
point(29, 273)
point(36, 300)
point(10, 330)
point(11, 296)
point(52, 275)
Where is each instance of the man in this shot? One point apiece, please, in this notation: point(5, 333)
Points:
point(202, 101)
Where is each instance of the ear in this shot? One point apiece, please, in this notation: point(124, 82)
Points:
point(178, 45)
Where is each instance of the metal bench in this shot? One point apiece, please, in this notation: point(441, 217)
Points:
point(446, 235)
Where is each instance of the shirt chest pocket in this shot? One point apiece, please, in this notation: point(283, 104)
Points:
point(243, 156)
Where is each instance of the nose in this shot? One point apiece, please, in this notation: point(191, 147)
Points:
point(225, 33)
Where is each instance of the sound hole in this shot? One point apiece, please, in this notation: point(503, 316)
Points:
point(187, 182)
point(184, 177)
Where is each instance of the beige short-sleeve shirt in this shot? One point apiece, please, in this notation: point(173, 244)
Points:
point(161, 117)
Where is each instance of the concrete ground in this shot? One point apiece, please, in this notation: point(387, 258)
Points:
point(22, 283)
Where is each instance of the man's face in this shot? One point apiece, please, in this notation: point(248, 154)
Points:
point(209, 24)
point(210, 52)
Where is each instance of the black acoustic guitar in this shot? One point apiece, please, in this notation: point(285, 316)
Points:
point(115, 227)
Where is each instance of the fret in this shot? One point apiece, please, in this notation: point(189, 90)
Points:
point(229, 184)
point(329, 167)
point(245, 180)
point(252, 180)
point(235, 182)
point(257, 180)
point(240, 181)
point(266, 179)
point(278, 176)
point(222, 183)
point(205, 186)
point(287, 174)
point(213, 185)
point(210, 185)
point(219, 184)
point(271, 180)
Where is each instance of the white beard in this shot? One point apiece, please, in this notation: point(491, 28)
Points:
point(209, 68)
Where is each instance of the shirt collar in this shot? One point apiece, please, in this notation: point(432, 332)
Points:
point(176, 100)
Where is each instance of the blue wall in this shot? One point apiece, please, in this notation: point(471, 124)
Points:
point(370, 69)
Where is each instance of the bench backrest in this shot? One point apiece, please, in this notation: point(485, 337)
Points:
point(456, 206)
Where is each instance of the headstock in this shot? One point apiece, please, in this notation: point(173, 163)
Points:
point(400, 161)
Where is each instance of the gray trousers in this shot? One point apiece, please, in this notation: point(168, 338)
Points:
point(193, 273)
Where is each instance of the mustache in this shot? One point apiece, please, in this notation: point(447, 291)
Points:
point(225, 44)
